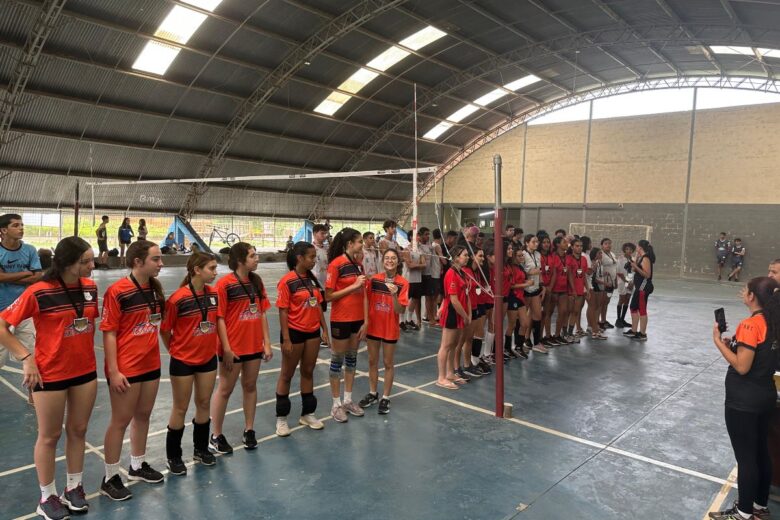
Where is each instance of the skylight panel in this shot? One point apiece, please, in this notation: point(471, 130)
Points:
point(437, 130)
point(332, 103)
point(772, 53)
point(388, 58)
point(156, 57)
point(463, 113)
point(180, 24)
point(422, 38)
point(206, 5)
point(522, 82)
point(358, 80)
point(723, 49)
point(490, 97)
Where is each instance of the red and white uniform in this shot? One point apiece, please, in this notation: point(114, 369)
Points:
point(244, 327)
point(341, 274)
point(558, 265)
point(293, 293)
point(189, 344)
point(455, 283)
point(578, 268)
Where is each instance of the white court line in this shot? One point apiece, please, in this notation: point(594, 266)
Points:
point(12, 387)
point(722, 494)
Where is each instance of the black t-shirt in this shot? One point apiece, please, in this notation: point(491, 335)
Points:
point(755, 391)
point(723, 247)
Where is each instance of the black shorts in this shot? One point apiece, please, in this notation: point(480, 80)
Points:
point(387, 341)
point(103, 246)
point(452, 318)
point(140, 378)
point(722, 259)
point(737, 263)
point(431, 286)
point(531, 294)
point(179, 368)
point(297, 336)
point(416, 290)
point(344, 329)
point(478, 312)
point(64, 384)
point(513, 302)
point(245, 357)
point(487, 306)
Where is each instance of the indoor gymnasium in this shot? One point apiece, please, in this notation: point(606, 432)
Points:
point(392, 259)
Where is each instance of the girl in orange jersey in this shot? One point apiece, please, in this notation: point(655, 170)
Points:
point(132, 314)
point(244, 322)
point(348, 317)
point(388, 296)
point(62, 372)
point(189, 332)
point(299, 299)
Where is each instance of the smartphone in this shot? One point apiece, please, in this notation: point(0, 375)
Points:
point(720, 317)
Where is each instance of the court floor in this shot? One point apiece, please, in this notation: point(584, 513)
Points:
point(601, 430)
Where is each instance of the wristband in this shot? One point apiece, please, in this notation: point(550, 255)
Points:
point(25, 357)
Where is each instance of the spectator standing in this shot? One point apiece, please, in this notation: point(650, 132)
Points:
point(737, 259)
point(389, 241)
point(19, 268)
point(102, 240)
point(125, 234)
point(142, 231)
point(371, 258)
point(722, 248)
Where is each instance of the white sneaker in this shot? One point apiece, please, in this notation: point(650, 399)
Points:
point(311, 421)
point(282, 428)
point(541, 349)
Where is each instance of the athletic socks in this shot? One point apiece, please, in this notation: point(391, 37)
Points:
point(173, 443)
point(476, 347)
point(111, 470)
point(135, 462)
point(200, 435)
point(337, 401)
point(48, 490)
point(74, 479)
point(537, 331)
point(507, 342)
point(347, 397)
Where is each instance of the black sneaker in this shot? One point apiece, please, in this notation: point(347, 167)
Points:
point(75, 499)
point(204, 457)
point(485, 367)
point(384, 406)
point(630, 333)
point(115, 489)
point(404, 326)
point(472, 371)
point(53, 509)
point(729, 514)
point(607, 325)
point(522, 353)
point(176, 466)
point(145, 473)
point(368, 400)
point(219, 444)
point(250, 441)
point(640, 337)
point(529, 343)
point(413, 326)
point(461, 374)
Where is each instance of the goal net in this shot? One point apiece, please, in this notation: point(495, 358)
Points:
point(618, 233)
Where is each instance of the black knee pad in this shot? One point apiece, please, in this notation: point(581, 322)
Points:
point(282, 405)
point(309, 404)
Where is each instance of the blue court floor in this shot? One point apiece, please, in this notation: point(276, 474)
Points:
point(601, 430)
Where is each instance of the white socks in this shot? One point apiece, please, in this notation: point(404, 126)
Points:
point(386, 397)
point(347, 397)
point(475, 360)
point(74, 479)
point(337, 401)
point(135, 462)
point(111, 470)
point(48, 490)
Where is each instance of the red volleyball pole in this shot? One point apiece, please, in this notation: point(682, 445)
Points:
point(498, 276)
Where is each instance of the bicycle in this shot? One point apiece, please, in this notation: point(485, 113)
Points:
point(227, 238)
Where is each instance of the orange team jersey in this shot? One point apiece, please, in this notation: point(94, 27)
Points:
point(751, 332)
point(293, 293)
point(455, 283)
point(126, 312)
point(579, 268)
point(61, 352)
point(341, 274)
point(244, 327)
point(518, 277)
point(558, 265)
point(384, 320)
point(189, 343)
point(546, 269)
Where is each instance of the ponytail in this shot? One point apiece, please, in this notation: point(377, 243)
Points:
point(197, 259)
point(767, 292)
point(649, 253)
point(300, 249)
point(340, 241)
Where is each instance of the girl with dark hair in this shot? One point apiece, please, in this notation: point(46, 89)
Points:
point(189, 332)
point(489, 335)
point(454, 315)
point(577, 267)
point(517, 316)
point(559, 282)
point(625, 284)
point(244, 323)
point(348, 317)
point(545, 252)
point(142, 230)
point(534, 293)
point(643, 288)
point(125, 235)
point(477, 289)
point(62, 372)
point(388, 296)
point(299, 299)
point(132, 313)
point(609, 270)
point(596, 295)
point(752, 356)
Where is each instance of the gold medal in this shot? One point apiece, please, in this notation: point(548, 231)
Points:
point(312, 301)
point(80, 324)
point(155, 318)
point(205, 326)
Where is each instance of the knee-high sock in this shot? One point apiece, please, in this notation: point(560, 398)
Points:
point(537, 329)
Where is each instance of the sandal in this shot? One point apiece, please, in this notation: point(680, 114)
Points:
point(448, 386)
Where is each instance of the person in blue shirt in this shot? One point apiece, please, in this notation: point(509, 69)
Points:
point(19, 267)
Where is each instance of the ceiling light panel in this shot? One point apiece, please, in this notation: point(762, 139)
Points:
point(437, 130)
point(463, 113)
point(522, 82)
point(358, 80)
point(156, 57)
point(490, 97)
point(771, 53)
point(388, 58)
point(723, 49)
point(422, 38)
point(180, 24)
point(206, 5)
